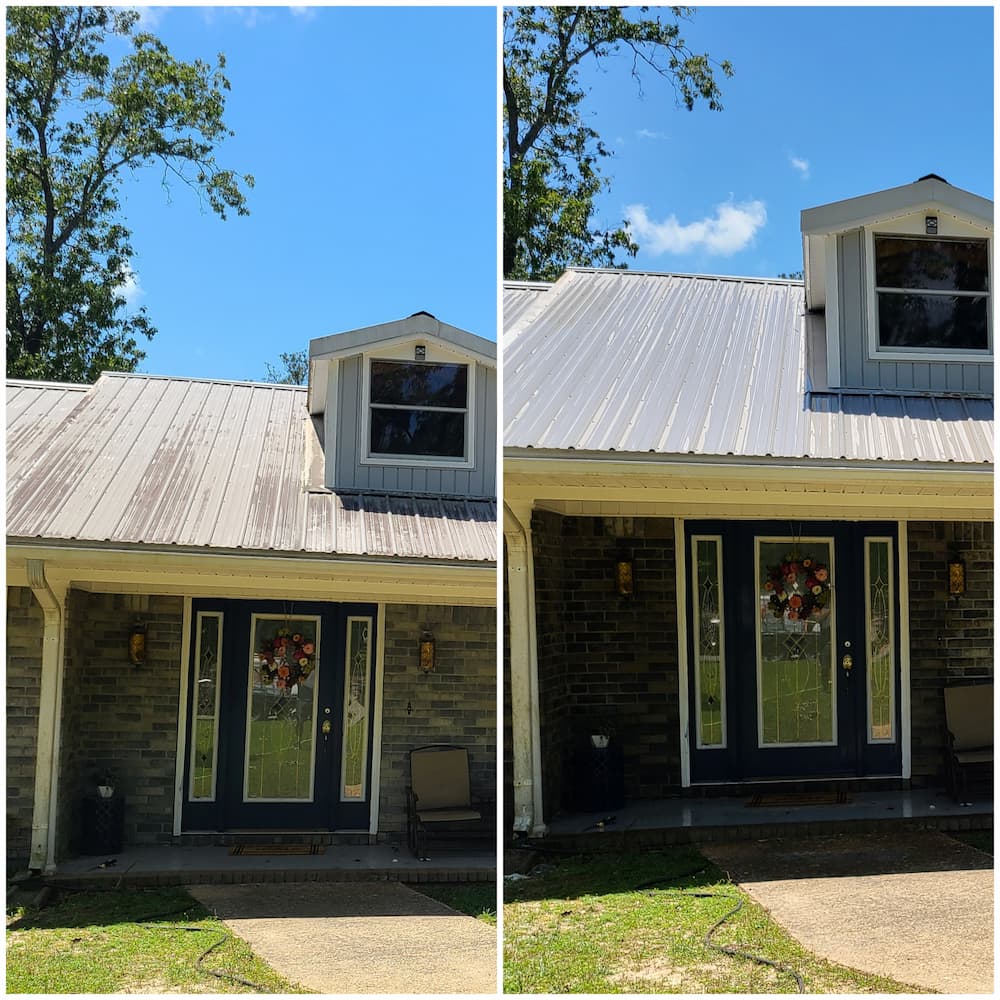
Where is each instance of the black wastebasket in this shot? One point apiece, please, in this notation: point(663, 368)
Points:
point(103, 824)
point(598, 778)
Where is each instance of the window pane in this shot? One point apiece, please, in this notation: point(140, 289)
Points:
point(795, 655)
point(709, 659)
point(356, 709)
point(958, 322)
point(947, 265)
point(417, 432)
point(419, 384)
point(204, 724)
point(281, 706)
point(879, 601)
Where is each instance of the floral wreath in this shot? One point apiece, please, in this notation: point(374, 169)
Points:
point(799, 588)
point(287, 659)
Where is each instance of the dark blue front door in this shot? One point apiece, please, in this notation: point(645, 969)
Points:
point(793, 639)
point(280, 715)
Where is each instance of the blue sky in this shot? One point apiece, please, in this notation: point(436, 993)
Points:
point(826, 103)
point(371, 133)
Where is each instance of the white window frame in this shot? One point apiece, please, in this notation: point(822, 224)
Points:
point(913, 227)
point(412, 461)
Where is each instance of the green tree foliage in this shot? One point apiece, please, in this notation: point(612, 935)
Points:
point(552, 156)
point(76, 125)
point(294, 370)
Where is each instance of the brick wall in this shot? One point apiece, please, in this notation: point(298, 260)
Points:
point(951, 640)
point(121, 718)
point(456, 703)
point(607, 662)
point(25, 627)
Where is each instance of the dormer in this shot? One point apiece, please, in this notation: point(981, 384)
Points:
point(904, 278)
point(404, 407)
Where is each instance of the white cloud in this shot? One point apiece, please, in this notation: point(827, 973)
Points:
point(645, 133)
point(730, 230)
point(801, 165)
point(305, 13)
point(150, 17)
point(130, 287)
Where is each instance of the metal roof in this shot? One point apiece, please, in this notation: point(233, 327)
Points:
point(519, 297)
point(205, 464)
point(625, 361)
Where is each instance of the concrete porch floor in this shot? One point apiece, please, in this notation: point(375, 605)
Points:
point(448, 861)
point(693, 819)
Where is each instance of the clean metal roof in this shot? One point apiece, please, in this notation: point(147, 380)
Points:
point(634, 362)
point(141, 459)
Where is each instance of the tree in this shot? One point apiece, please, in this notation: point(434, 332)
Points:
point(552, 156)
point(295, 372)
point(76, 126)
point(793, 275)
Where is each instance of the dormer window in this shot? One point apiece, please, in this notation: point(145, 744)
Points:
point(418, 410)
point(932, 294)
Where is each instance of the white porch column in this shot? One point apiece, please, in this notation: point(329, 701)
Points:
point(43, 821)
point(528, 805)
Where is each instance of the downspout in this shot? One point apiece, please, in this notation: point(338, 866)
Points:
point(525, 736)
point(43, 820)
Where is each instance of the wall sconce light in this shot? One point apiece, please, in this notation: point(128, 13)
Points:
point(956, 576)
point(427, 652)
point(137, 645)
point(625, 577)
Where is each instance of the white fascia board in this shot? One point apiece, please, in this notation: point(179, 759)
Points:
point(822, 489)
point(140, 570)
point(413, 328)
point(814, 268)
point(319, 379)
point(870, 209)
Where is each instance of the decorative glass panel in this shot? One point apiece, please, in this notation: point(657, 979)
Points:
point(879, 601)
point(205, 705)
point(281, 708)
point(356, 700)
point(796, 691)
point(709, 674)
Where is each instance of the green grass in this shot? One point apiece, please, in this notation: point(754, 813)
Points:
point(97, 943)
point(582, 926)
point(477, 899)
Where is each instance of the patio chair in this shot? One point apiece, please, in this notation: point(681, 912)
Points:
point(439, 793)
point(969, 720)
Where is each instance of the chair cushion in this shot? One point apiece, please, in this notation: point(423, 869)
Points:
point(446, 815)
point(440, 778)
point(969, 713)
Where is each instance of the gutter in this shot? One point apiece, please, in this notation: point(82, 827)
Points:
point(43, 821)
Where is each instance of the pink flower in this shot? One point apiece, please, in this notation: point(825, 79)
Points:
point(821, 574)
point(308, 648)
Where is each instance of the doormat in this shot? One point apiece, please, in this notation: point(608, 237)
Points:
point(269, 849)
point(837, 798)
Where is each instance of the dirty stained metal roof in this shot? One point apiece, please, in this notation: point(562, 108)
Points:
point(140, 459)
point(631, 362)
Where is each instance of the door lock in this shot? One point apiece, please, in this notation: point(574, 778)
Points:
point(326, 727)
point(847, 662)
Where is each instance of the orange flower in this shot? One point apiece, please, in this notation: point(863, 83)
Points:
point(795, 601)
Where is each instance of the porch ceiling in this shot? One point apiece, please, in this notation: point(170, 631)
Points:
point(636, 486)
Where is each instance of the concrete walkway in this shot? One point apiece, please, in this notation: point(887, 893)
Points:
point(917, 907)
point(378, 937)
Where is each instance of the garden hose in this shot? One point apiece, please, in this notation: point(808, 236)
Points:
point(726, 949)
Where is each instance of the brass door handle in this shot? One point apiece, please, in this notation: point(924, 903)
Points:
point(847, 662)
